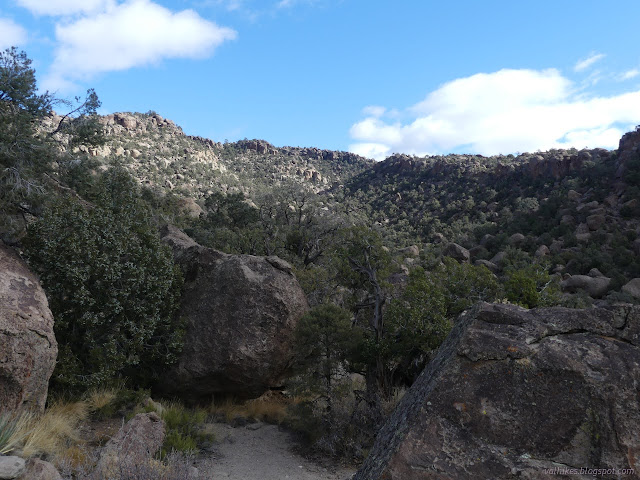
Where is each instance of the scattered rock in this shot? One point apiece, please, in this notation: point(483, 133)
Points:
point(457, 252)
point(412, 251)
point(134, 444)
point(439, 238)
point(499, 258)
point(514, 391)
point(596, 287)
point(611, 200)
point(632, 288)
point(28, 347)
point(594, 272)
point(241, 313)
point(477, 250)
point(127, 121)
point(189, 206)
point(40, 470)
point(573, 195)
point(516, 239)
point(582, 228)
point(583, 237)
point(11, 467)
point(486, 238)
point(567, 220)
point(594, 222)
point(587, 206)
point(542, 251)
point(491, 266)
point(556, 246)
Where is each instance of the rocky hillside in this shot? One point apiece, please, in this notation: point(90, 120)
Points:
point(161, 155)
point(577, 210)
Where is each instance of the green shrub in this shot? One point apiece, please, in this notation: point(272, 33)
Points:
point(183, 428)
point(531, 286)
point(111, 284)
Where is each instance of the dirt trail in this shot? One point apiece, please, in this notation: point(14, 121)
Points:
point(262, 452)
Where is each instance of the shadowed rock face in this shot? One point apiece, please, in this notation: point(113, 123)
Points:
point(512, 391)
point(242, 311)
point(28, 347)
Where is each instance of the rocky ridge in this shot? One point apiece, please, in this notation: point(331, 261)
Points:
point(161, 155)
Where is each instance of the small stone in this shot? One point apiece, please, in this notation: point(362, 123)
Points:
point(11, 467)
point(40, 470)
point(632, 288)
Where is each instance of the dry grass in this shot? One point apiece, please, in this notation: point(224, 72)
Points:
point(226, 409)
point(271, 407)
point(52, 432)
point(100, 398)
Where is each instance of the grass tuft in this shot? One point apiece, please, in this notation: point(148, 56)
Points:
point(52, 432)
point(183, 428)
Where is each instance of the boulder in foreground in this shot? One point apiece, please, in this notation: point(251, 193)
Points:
point(241, 313)
point(515, 392)
point(28, 347)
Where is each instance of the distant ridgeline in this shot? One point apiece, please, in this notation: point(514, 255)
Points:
point(577, 209)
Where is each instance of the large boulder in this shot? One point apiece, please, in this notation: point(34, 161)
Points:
point(28, 347)
point(457, 252)
point(513, 392)
point(596, 287)
point(241, 312)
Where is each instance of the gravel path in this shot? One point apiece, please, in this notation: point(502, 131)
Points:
point(262, 452)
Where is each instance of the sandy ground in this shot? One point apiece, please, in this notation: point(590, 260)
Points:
point(261, 452)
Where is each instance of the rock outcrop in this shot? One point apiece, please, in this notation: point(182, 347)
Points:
point(28, 347)
point(241, 312)
point(135, 444)
point(513, 392)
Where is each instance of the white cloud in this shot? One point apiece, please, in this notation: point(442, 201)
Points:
point(587, 62)
point(64, 7)
point(135, 33)
point(501, 112)
point(11, 34)
point(293, 3)
point(374, 111)
point(629, 74)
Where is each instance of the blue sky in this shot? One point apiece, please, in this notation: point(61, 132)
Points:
point(374, 77)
